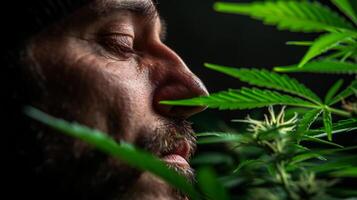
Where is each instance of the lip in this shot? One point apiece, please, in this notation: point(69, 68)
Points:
point(180, 155)
point(176, 160)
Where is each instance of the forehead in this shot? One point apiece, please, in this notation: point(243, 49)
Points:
point(144, 8)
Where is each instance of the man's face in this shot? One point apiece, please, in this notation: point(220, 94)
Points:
point(106, 67)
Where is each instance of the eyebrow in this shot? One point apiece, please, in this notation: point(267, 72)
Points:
point(145, 9)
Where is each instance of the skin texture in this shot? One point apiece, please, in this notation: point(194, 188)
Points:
point(108, 69)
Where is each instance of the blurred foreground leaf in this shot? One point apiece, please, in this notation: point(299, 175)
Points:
point(123, 151)
point(210, 186)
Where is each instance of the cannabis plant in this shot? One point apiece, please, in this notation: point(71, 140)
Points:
point(279, 156)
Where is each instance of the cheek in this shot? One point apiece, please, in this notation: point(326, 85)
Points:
point(130, 94)
point(100, 92)
point(121, 92)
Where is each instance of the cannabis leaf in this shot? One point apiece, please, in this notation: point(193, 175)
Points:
point(327, 119)
point(318, 140)
point(265, 78)
point(323, 44)
point(307, 120)
point(218, 137)
point(322, 66)
point(332, 91)
point(295, 16)
point(299, 43)
point(342, 126)
point(246, 163)
point(350, 90)
point(343, 52)
point(349, 7)
point(244, 98)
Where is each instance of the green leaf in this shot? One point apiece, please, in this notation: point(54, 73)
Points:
point(350, 90)
point(246, 163)
point(346, 172)
point(327, 119)
point(332, 91)
point(345, 124)
point(348, 7)
point(307, 120)
point(334, 151)
point(342, 53)
point(323, 44)
point(299, 43)
point(265, 78)
point(244, 98)
point(217, 137)
point(123, 151)
point(294, 16)
point(318, 140)
point(306, 156)
point(210, 186)
point(342, 126)
point(231, 180)
point(323, 66)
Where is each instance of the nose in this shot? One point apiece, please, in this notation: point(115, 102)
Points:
point(176, 81)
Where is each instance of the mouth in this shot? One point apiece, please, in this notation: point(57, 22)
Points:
point(179, 155)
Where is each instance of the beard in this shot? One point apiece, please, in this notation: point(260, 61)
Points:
point(72, 169)
point(166, 139)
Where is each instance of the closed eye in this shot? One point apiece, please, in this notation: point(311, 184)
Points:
point(117, 44)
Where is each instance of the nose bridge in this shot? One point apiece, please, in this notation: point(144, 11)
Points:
point(175, 68)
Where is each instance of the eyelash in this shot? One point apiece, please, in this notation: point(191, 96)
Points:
point(118, 44)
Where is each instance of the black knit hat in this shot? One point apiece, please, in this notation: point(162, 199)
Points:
point(23, 19)
point(20, 20)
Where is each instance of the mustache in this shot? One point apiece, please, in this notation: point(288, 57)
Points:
point(165, 138)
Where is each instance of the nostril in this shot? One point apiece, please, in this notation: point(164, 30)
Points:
point(175, 92)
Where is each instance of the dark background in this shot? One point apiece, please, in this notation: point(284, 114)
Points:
point(199, 34)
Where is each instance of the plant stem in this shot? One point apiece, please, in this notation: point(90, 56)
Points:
point(284, 180)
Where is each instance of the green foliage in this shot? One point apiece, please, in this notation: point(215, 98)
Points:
point(333, 90)
point(246, 163)
point(349, 7)
point(275, 157)
point(323, 44)
point(327, 119)
point(284, 166)
point(350, 90)
point(307, 120)
point(210, 186)
point(297, 16)
point(248, 98)
point(245, 98)
point(322, 66)
point(307, 16)
point(264, 78)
